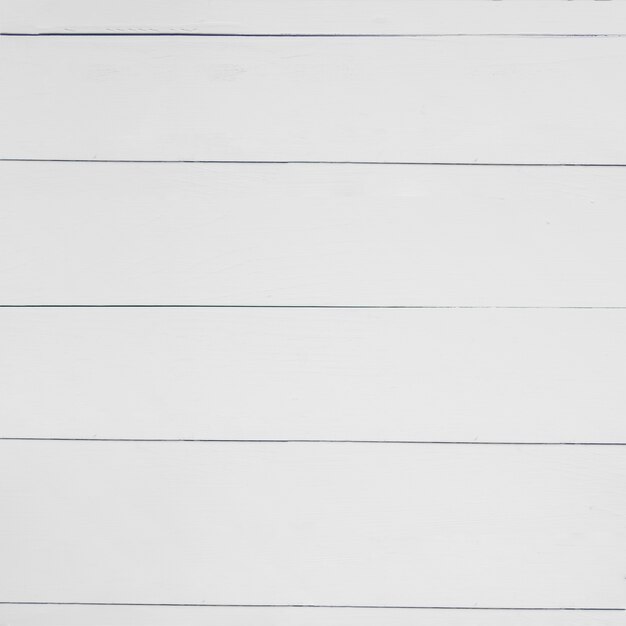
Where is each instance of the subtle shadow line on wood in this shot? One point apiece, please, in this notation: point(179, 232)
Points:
point(311, 306)
point(255, 162)
point(306, 35)
point(321, 606)
point(322, 441)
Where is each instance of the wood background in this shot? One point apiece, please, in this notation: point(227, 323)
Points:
point(312, 312)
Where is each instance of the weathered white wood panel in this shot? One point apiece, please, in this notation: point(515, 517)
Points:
point(475, 99)
point(74, 233)
point(469, 375)
point(312, 524)
point(315, 16)
point(190, 616)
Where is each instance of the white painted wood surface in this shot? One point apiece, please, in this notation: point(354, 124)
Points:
point(316, 16)
point(190, 616)
point(313, 524)
point(82, 233)
point(374, 524)
point(451, 375)
point(480, 99)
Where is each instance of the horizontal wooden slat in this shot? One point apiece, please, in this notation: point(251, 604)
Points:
point(315, 16)
point(312, 524)
point(478, 99)
point(189, 616)
point(451, 375)
point(311, 235)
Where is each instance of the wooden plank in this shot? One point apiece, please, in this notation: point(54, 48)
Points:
point(520, 100)
point(313, 524)
point(315, 16)
point(311, 235)
point(190, 616)
point(393, 374)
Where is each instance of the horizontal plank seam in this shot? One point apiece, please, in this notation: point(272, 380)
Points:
point(304, 35)
point(321, 606)
point(256, 162)
point(339, 441)
point(314, 306)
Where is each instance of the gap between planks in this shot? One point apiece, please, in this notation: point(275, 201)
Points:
point(310, 306)
point(309, 35)
point(328, 441)
point(324, 606)
point(245, 162)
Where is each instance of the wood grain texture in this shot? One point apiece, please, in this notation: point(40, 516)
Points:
point(311, 235)
point(315, 16)
point(498, 100)
point(451, 375)
point(189, 616)
point(367, 519)
point(312, 524)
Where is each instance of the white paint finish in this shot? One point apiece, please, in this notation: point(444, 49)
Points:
point(486, 375)
point(313, 523)
point(320, 523)
point(311, 234)
point(426, 99)
point(164, 616)
point(315, 16)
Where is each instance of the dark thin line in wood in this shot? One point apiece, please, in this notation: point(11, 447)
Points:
point(323, 606)
point(254, 162)
point(339, 441)
point(304, 35)
point(310, 306)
